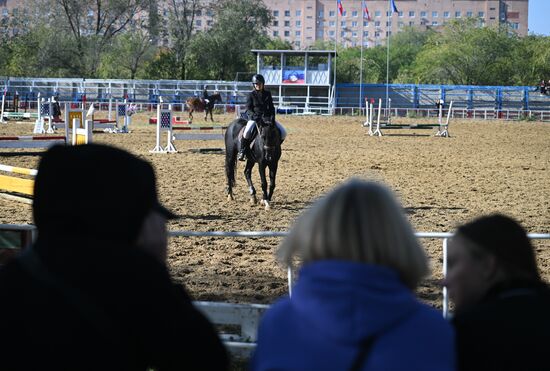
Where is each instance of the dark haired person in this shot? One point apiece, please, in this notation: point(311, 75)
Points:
point(501, 304)
point(94, 292)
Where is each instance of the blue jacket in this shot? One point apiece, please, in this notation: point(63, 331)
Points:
point(335, 306)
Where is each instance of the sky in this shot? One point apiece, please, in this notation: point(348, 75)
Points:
point(539, 17)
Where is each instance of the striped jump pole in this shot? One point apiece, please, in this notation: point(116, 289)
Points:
point(199, 136)
point(29, 141)
point(14, 184)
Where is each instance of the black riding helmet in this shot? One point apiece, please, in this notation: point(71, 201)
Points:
point(257, 79)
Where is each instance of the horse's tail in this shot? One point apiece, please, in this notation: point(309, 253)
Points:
point(231, 149)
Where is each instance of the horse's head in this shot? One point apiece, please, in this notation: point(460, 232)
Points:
point(216, 97)
point(271, 139)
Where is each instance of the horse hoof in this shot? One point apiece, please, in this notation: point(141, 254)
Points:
point(253, 200)
point(230, 197)
point(266, 204)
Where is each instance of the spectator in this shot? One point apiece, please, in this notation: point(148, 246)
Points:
point(542, 87)
point(56, 108)
point(94, 292)
point(501, 303)
point(353, 307)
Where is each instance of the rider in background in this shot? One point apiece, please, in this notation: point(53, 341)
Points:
point(258, 106)
point(205, 95)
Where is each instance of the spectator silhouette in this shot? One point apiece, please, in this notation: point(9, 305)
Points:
point(353, 307)
point(94, 292)
point(501, 304)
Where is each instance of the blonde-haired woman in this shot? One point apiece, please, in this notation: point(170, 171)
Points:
point(353, 307)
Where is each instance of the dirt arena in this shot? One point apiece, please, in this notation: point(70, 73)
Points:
point(486, 166)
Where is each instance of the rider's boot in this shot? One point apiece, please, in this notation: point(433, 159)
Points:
point(244, 148)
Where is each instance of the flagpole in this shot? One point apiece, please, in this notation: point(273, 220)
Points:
point(361, 67)
point(388, 30)
point(335, 44)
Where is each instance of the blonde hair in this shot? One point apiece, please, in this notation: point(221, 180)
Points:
point(357, 221)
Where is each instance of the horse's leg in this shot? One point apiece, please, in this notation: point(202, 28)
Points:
point(272, 176)
point(191, 109)
point(248, 176)
point(265, 199)
point(206, 113)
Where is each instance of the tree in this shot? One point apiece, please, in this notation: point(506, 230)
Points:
point(225, 49)
point(180, 31)
point(92, 24)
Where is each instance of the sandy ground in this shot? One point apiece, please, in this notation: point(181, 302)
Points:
point(484, 167)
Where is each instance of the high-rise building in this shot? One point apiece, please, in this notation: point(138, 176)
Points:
point(302, 22)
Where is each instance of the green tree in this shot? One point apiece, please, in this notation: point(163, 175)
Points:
point(222, 51)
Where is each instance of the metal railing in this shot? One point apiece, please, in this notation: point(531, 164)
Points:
point(444, 236)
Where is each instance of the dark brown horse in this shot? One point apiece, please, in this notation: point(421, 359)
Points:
point(199, 104)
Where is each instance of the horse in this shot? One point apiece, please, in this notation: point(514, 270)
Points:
point(196, 103)
point(265, 150)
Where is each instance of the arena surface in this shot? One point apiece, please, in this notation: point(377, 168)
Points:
point(486, 166)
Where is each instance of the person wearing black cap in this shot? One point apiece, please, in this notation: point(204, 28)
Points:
point(94, 292)
point(501, 304)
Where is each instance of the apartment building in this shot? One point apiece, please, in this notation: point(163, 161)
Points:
point(302, 22)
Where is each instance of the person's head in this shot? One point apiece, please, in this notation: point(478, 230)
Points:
point(484, 252)
point(258, 81)
point(95, 193)
point(358, 221)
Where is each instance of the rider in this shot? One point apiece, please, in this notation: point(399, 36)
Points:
point(205, 95)
point(258, 105)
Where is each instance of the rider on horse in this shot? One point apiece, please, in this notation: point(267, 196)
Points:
point(258, 106)
point(205, 95)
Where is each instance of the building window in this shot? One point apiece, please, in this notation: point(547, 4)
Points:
point(469, 14)
point(354, 34)
point(377, 34)
point(400, 24)
point(354, 24)
point(377, 13)
point(366, 33)
point(434, 23)
point(275, 13)
point(332, 13)
point(354, 13)
point(198, 23)
point(287, 13)
point(198, 13)
point(275, 23)
point(298, 13)
point(344, 13)
point(388, 23)
point(411, 14)
point(287, 23)
point(377, 24)
point(321, 14)
point(275, 33)
point(481, 14)
point(514, 26)
point(287, 33)
point(321, 24)
point(365, 23)
point(458, 14)
point(331, 33)
point(342, 23)
point(298, 33)
point(297, 43)
point(411, 23)
point(423, 14)
point(400, 14)
point(320, 34)
point(209, 23)
point(434, 15)
point(332, 23)
point(343, 33)
point(298, 23)
point(446, 14)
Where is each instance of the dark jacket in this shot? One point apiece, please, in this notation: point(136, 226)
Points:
point(114, 309)
point(336, 306)
point(260, 105)
point(508, 330)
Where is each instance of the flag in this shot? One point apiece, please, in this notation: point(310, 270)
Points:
point(340, 7)
point(366, 10)
point(91, 110)
point(393, 7)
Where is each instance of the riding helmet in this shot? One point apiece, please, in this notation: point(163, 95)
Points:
point(257, 78)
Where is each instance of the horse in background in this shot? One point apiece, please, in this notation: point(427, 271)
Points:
point(196, 103)
point(265, 150)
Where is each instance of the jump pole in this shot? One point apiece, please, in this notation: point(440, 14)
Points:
point(444, 129)
point(3, 102)
point(17, 185)
point(377, 130)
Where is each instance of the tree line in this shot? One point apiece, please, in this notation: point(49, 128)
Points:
point(137, 39)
